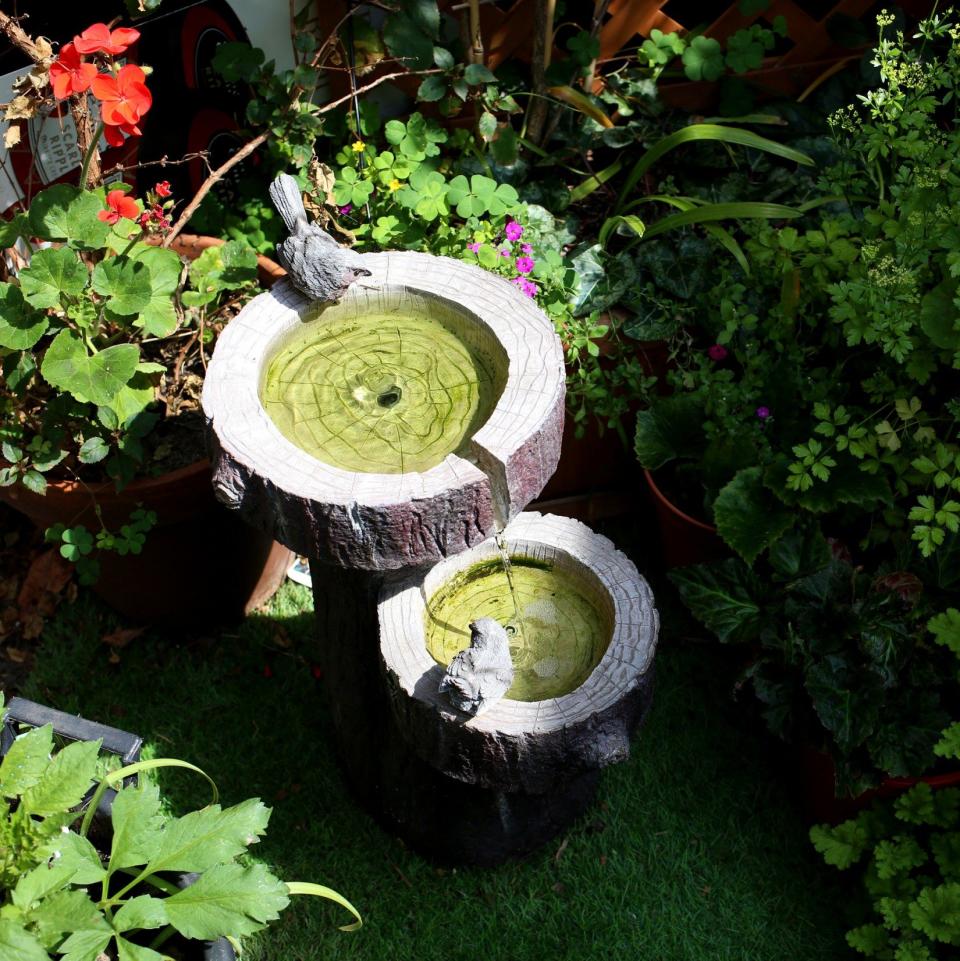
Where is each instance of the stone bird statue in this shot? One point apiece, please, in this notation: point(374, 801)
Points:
point(317, 265)
point(480, 675)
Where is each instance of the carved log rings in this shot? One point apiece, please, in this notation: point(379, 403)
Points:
point(395, 427)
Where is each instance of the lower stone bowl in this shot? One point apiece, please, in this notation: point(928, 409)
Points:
point(585, 627)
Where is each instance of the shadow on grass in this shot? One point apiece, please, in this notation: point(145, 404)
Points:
point(694, 851)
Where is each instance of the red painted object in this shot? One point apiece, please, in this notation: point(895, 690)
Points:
point(684, 540)
point(819, 788)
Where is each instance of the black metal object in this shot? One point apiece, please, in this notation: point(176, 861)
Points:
point(23, 713)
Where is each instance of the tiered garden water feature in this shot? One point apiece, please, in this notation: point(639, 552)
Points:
point(390, 437)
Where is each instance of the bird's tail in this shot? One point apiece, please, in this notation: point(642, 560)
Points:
point(285, 194)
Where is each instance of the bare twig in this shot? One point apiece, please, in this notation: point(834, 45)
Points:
point(205, 188)
point(164, 161)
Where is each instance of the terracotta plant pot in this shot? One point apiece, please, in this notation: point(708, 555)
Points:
point(683, 539)
point(200, 561)
point(819, 793)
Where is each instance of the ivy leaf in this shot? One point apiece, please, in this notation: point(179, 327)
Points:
point(841, 846)
point(97, 379)
point(210, 836)
point(52, 272)
point(20, 325)
point(722, 596)
point(125, 283)
point(17, 944)
point(136, 826)
point(227, 899)
point(26, 761)
point(936, 912)
point(65, 781)
point(703, 59)
point(748, 517)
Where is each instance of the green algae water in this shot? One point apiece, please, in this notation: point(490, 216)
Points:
point(390, 391)
point(564, 634)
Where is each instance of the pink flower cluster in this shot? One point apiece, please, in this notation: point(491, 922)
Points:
point(524, 264)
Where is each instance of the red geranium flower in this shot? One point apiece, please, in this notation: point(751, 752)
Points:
point(163, 189)
point(119, 205)
point(113, 134)
point(69, 74)
point(124, 99)
point(99, 37)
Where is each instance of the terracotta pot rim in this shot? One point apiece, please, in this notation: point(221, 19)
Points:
point(68, 488)
point(670, 506)
point(934, 780)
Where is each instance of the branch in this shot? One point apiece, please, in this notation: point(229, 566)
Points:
point(19, 37)
point(327, 107)
point(164, 161)
point(206, 186)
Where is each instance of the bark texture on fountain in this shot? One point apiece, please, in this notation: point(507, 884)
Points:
point(377, 521)
point(528, 746)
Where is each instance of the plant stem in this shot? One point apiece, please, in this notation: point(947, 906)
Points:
point(88, 156)
point(542, 51)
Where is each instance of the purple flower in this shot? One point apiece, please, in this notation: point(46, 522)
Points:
point(526, 286)
point(474, 247)
point(527, 249)
point(717, 352)
point(513, 231)
point(504, 252)
point(524, 264)
point(345, 209)
point(763, 412)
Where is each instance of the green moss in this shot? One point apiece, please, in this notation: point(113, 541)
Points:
point(384, 393)
point(557, 635)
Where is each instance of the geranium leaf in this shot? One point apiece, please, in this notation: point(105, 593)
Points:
point(65, 781)
point(81, 225)
point(48, 212)
point(26, 761)
point(125, 283)
point(159, 316)
point(21, 326)
point(945, 628)
point(210, 836)
point(97, 379)
point(227, 899)
point(52, 272)
point(843, 845)
point(936, 912)
point(723, 596)
point(748, 517)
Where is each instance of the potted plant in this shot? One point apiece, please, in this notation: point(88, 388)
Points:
point(104, 337)
point(153, 887)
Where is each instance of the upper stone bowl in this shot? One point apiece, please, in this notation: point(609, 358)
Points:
point(394, 428)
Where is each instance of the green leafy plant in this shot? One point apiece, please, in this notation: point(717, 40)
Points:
point(841, 659)
point(89, 334)
point(64, 897)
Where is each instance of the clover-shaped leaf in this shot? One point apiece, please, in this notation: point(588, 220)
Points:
point(660, 48)
point(77, 542)
point(426, 194)
point(481, 195)
point(351, 189)
point(703, 59)
point(417, 138)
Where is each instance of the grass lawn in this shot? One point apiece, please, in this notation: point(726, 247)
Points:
point(694, 852)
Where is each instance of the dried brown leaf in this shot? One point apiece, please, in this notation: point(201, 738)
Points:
point(12, 137)
point(122, 637)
